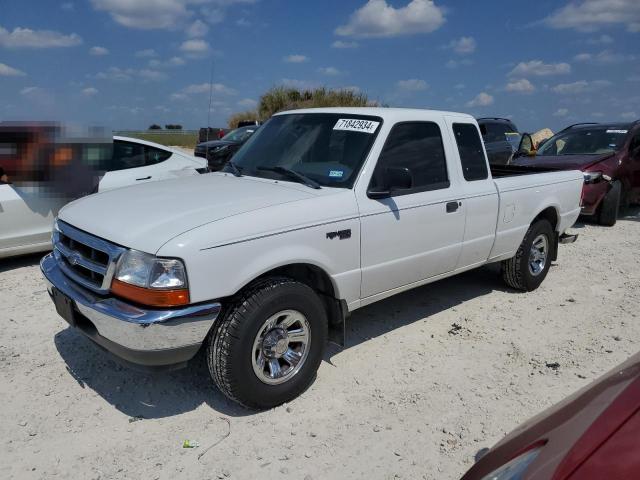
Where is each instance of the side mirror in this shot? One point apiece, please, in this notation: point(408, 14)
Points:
point(526, 149)
point(395, 178)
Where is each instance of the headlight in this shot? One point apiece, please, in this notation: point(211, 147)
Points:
point(591, 177)
point(150, 280)
point(515, 469)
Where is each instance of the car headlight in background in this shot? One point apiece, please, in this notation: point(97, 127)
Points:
point(149, 280)
point(515, 469)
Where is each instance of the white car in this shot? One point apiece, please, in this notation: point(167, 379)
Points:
point(322, 212)
point(27, 211)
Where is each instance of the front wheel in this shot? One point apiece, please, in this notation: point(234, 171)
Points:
point(529, 267)
point(610, 205)
point(268, 346)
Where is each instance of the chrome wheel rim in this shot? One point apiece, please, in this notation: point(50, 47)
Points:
point(281, 347)
point(538, 255)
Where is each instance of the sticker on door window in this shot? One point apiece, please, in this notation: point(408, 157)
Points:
point(617, 131)
point(355, 125)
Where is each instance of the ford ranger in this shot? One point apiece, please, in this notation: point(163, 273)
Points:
point(321, 212)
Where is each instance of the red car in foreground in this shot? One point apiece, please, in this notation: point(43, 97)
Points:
point(593, 434)
point(609, 157)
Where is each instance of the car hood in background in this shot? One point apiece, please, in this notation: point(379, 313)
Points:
point(215, 143)
point(562, 162)
point(146, 216)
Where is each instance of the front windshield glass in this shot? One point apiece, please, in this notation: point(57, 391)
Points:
point(239, 134)
point(585, 141)
point(328, 148)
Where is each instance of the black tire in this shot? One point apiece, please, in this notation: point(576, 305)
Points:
point(229, 349)
point(610, 206)
point(516, 272)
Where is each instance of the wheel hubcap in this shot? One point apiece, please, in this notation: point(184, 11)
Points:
point(281, 347)
point(538, 255)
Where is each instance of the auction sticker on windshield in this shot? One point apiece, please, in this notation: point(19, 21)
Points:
point(617, 131)
point(355, 125)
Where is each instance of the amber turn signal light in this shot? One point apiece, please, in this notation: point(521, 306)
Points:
point(150, 297)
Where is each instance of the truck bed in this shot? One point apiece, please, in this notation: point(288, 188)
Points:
point(499, 171)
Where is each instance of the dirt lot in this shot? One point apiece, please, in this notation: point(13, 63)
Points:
point(412, 396)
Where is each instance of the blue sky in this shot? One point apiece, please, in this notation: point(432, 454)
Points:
point(126, 64)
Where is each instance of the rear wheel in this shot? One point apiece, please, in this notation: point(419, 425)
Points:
point(268, 346)
point(531, 263)
point(610, 205)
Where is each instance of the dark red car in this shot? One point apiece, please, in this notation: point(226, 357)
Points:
point(609, 156)
point(593, 434)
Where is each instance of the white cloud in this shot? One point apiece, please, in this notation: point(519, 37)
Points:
point(601, 40)
point(520, 86)
point(68, 6)
point(330, 71)
point(247, 103)
point(463, 45)
point(605, 57)
point(581, 86)
point(591, 15)
point(27, 38)
point(483, 99)
point(295, 58)
point(163, 14)
point(459, 63)
point(7, 71)
point(197, 29)
point(172, 62)
point(539, 68)
point(195, 46)
point(629, 115)
point(205, 87)
point(89, 91)
point(243, 22)
point(412, 85)
point(299, 84)
point(379, 19)
point(146, 53)
point(561, 112)
point(126, 74)
point(343, 44)
point(98, 51)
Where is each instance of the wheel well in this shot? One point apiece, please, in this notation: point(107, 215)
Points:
point(550, 214)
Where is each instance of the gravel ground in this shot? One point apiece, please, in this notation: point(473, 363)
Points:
point(428, 377)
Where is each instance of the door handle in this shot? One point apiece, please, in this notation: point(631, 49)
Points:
point(143, 178)
point(453, 206)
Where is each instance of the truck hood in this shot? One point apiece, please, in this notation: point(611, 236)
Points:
point(146, 216)
point(562, 162)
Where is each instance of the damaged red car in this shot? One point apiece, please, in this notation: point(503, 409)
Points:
point(609, 156)
point(593, 434)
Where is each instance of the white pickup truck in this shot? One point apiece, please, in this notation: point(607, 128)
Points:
point(321, 212)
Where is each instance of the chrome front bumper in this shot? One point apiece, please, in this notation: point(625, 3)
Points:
point(149, 337)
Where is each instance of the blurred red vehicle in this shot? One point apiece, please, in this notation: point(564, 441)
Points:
point(609, 156)
point(593, 434)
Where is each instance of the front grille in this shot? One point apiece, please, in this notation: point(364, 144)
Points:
point(85, 258)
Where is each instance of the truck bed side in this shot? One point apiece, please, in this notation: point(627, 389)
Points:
point(524, 196)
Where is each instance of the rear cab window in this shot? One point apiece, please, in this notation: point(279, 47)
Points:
point(474, 163)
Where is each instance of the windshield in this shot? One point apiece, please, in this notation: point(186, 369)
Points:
point(328, 148)
point(239, 134)
point(585, 141)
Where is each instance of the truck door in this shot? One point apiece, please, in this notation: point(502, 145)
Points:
point(414, 233)
point(479, 193)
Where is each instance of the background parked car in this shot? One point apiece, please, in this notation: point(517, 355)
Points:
point(28, 206)
point(609, 156)
point(591, 434)
point(218, 152)
point(497, 136)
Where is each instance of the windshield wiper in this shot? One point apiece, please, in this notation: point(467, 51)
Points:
point(291, 174)
point(235, 169)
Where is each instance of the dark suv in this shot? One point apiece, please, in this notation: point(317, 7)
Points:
point(499, 135)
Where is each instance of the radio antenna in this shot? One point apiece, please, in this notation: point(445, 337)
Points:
point(210, 101)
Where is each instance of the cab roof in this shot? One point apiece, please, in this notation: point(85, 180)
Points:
point(390, 114)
